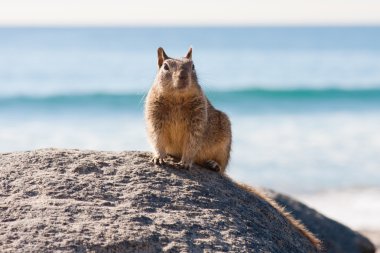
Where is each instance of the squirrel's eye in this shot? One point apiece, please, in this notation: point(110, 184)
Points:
point(193, 67)
point(166, 66)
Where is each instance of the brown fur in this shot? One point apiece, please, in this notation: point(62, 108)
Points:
point(181, 121)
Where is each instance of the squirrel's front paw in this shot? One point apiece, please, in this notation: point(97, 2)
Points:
point(184, 165)
point(158, 160)
point(212, 165)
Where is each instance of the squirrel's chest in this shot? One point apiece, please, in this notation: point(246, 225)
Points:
point(172, 113)
point(177, 117)
point(174, 116)
point(176, 123)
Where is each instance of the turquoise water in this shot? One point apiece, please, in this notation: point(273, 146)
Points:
point(304, 102)
point(244, 101)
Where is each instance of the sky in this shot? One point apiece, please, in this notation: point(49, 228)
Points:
point(194, 12)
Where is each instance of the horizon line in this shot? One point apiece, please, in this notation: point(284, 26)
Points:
point(274, 25)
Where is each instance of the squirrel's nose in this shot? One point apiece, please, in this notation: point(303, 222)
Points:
point(182, 75)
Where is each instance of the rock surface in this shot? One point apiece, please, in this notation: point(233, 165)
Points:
point(87, 201)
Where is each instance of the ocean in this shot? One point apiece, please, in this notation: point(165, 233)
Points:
point(304, 101)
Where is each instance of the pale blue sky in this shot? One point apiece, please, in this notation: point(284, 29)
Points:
point(195, 12)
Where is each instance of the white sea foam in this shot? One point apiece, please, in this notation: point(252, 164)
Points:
point(287, 152)
point(120, 132)
point(307, 152)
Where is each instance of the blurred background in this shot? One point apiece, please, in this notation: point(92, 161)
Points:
point(300, 81)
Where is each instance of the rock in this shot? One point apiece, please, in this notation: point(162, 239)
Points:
point(336, 237)
point(56, 200)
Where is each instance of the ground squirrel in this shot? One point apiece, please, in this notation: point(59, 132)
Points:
point(181, 122)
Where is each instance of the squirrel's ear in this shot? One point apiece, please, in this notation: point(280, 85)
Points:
point(161, 56)
point(189, 53)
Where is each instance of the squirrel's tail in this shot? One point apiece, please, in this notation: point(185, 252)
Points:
point(296, 223)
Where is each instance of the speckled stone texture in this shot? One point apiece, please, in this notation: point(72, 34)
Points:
point(56, 200)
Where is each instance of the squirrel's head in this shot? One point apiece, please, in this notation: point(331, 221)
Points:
point(176, 74)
